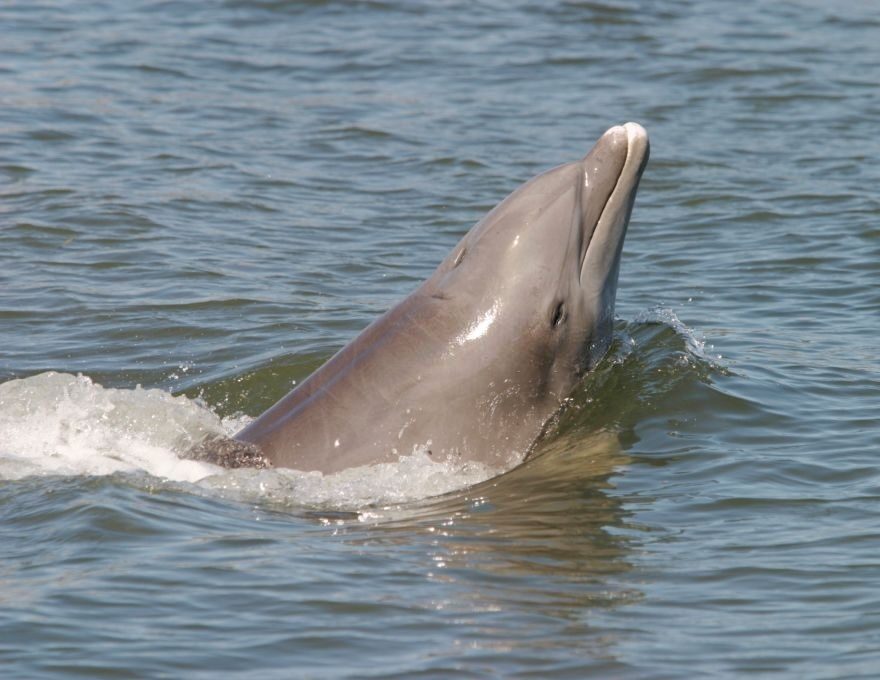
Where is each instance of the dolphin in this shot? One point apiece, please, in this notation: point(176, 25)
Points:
point(472, 365)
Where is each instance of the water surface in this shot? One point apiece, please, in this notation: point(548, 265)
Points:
point(201, 201)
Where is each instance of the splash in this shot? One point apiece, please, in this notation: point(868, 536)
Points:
point(413, 477)
point(62, 424)
point(695, 342)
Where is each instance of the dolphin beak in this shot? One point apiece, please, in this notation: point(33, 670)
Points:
point(612, 170)
point(637, 151)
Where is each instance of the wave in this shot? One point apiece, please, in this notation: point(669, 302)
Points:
point(62, 424)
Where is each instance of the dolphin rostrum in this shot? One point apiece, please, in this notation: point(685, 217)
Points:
point(473, 363)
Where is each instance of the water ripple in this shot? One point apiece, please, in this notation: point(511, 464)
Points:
point(212, 198)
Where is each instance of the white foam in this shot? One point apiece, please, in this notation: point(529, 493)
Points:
point(56, 423)
point(412, 477)
point(61, 424)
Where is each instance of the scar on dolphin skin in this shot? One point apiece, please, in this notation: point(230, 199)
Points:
point(475, 361)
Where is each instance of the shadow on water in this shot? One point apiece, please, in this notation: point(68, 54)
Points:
point(519, 563)
point(514, 572)
point(558, 497)
point(551, 543)
point(255, 390)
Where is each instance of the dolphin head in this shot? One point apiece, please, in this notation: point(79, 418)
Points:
point(476, 360)
point(539, 272)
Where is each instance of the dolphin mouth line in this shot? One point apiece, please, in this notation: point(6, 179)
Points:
point(635, 137)
point(593, 231)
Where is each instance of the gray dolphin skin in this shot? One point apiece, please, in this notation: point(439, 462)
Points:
point(473, 363)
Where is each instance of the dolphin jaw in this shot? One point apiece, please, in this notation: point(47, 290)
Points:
point(610, 229)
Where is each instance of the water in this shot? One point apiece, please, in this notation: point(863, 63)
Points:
point(201, 201)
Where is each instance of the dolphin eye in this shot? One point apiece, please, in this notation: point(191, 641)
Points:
point(558, 315)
